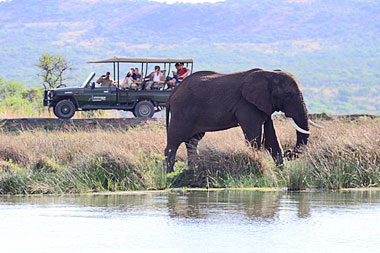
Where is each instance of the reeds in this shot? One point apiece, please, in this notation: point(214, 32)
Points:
point(344, 154)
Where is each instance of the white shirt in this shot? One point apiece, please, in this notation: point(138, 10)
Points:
point(157, 77)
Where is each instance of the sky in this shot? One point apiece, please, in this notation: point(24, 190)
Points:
point(188, 1)
point(174, 1)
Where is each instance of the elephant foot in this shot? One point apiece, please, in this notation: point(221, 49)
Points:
point(290, 155)
point(293, 154)
point(279, 160)
point(168, 166)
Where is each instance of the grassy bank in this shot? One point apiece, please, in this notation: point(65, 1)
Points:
point(344, 154)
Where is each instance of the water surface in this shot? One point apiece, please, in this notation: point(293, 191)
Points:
point(220, 221)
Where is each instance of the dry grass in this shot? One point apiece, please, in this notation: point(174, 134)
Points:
point(21, 113)
point(48, 113)
point(343, 154)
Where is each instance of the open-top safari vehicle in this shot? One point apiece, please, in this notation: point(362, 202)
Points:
point(90, 96)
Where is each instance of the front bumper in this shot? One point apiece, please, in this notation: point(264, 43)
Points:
point(45, 101)
point(48, 101)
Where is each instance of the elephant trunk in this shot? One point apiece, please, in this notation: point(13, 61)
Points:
point(302, 138)
point(300, 121)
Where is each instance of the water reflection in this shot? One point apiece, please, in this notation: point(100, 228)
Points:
point(217, 221)
point(203, 204)
point(254, 205)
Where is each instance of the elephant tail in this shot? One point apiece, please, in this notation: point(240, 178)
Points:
point(167, 115)
point(168, 108)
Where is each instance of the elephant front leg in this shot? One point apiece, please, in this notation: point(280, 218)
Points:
point(251, 121)
point(271, 142)
point(192, 149)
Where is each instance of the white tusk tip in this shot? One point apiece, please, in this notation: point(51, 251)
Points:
point(294, 124)
point(315, 124)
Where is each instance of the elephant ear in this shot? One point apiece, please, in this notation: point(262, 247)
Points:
point(257, 90)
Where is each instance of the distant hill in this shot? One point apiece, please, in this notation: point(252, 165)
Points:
point(332, 46)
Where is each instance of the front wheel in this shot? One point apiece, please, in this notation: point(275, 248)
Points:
point(144, 109)
point(64, 109)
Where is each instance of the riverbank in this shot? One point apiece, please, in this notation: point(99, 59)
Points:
point(345, 154)
point(85, 124)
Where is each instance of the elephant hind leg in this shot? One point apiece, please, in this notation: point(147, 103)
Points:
point(170, 154)
point(192, 148)
point(175, 138)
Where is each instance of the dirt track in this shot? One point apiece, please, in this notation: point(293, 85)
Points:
point(122, 123)
point(72, 124)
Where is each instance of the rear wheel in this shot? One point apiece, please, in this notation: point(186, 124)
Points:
point(144, 109)
point(64, 109)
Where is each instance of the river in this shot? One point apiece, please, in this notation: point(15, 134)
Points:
point(193, 221)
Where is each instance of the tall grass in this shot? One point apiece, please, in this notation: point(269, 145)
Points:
point(344, 154)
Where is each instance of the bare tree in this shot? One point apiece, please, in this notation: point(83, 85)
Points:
point(52, 70)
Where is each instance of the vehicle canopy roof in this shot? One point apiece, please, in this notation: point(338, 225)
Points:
point(143, 60)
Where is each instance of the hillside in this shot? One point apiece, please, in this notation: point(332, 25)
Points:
point(332, 46)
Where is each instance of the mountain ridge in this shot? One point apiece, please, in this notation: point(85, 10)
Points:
point(329, 45)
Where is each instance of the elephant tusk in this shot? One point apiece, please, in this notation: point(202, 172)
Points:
point(315, 124)
point(297, 127)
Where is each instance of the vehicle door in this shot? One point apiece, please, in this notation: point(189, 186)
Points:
point(100, 96)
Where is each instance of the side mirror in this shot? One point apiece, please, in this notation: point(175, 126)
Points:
point(93, 85)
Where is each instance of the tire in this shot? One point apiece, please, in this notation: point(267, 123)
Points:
point(144, 109)
point(64, 109)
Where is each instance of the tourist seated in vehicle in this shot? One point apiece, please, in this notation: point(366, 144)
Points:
point(156, 79)
point(178, 76)
point(130, 73)
point(106, 81)
point(136, 75)
point(131, 80)
point(183, 72)
point(127, 79)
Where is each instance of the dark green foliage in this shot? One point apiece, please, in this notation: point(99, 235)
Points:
point(328, 167)
point(346, 167)
point(15, 97)
point(100, 172)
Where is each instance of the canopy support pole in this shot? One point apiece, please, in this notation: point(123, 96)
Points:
point(118, 75)
point(114, 74)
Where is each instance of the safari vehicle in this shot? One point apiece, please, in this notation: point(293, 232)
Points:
point(142, 103)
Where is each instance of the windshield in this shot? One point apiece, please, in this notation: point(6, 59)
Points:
point(88, 80)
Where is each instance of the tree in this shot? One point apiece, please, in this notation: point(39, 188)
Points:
point(32, 94)
point(11, 88)
point(2, 87)
point(53, 68)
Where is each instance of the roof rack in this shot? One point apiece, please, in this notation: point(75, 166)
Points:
point(143, 60)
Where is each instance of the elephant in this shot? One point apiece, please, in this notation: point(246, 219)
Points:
point(209, 101)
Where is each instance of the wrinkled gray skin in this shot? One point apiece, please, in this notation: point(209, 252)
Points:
point(209, 101)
